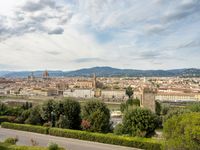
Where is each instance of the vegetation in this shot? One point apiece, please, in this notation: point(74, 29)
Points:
point(10, 140)
point(130, 103)
point(138, 122)
point(182, 132)
point(143, 143)
point(53, 146)
point(96, 117)
point(129, 92)
point(25, 127)
point(6, 146)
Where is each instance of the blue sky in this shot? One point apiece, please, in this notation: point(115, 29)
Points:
point(73, 34)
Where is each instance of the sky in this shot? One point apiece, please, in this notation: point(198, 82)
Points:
point(74, 34)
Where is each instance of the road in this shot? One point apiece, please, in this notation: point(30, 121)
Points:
point(70, 144)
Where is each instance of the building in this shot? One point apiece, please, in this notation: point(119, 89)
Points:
point(118, 95)
point(79, 93)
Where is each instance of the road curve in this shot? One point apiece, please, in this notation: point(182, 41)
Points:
point(43, 140)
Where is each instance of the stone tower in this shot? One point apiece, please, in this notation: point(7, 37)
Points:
point(94, 81)
point(148, 94)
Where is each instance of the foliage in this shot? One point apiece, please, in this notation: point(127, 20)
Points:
point(25, 127)
point(11, 140)
point(72, 110)
point(175, 112)
point(27, 105)
point(195, 107)
point(47, 108)
point(24, 116)
point(158, 108)
point(164, 109)
point(139, 122)
point(129, 91)
point(98, 116)
point(183, 132)
point(130, 103)
point(6, 146)
point(143, 143)
point(53, 146)
point(6, 119)
point(119, 129)
point(35, 117)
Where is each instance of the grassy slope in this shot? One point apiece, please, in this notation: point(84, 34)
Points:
point(4, 146)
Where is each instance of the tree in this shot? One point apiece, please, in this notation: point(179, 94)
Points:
point(175, 112)
point(48, 108)
point(35, 117)
point(158, 108)
point(97, 115)
point(129, 91)
point(71, 113)
point(139, 122)
point(130, 103)
point(194, 107)
point(183, 132)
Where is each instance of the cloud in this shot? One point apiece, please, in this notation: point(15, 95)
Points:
point(57, 30)
point(86, 60)
point(183, 10)
point(35, 16)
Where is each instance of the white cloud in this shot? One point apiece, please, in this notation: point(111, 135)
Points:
point(50, 34)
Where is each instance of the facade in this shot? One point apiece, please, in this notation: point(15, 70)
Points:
point(114, 94)
point(79, 93)
point(166, 96)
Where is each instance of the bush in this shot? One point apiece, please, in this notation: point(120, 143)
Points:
point(25, 127)
point(70, 116)
point(143, 143)
point(10, 140)
point(194, 107)
point(35, 116)
point(119, 129)
point(97, 115)
point(53, 146)
point(175, 112)
point(183, 132)
point(7, 119)
point(139, 122)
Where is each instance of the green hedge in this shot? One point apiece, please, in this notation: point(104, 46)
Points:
point(6, 119)
point(25, 127)
point(143, 143)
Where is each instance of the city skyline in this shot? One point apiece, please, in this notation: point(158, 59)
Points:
point(72, 34)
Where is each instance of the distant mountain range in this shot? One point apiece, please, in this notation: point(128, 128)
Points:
point(107, 72)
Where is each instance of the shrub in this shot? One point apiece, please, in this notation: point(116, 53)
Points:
point(175, 112)
point(194, 107)
point(98, 116)
point(53, 146)
point(183, 132)
point(143, 143)
point(119, 129)
point(11, 140)
point(7, 119)
point(25, 127)
point(139, 122)
point(70, 116)
point(35, 116)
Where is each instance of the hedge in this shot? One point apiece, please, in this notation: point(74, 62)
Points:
point(25, 127)
point(6, 119)
point(143, 143)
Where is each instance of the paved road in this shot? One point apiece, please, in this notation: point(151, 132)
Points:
point(70, 144)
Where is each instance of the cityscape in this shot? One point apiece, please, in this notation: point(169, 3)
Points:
point(99, 75)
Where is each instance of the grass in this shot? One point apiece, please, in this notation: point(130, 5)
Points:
point(5, 146)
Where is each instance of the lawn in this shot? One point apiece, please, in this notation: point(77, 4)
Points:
point(4, 146)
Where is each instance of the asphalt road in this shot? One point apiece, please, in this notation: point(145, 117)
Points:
point(44, 140)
